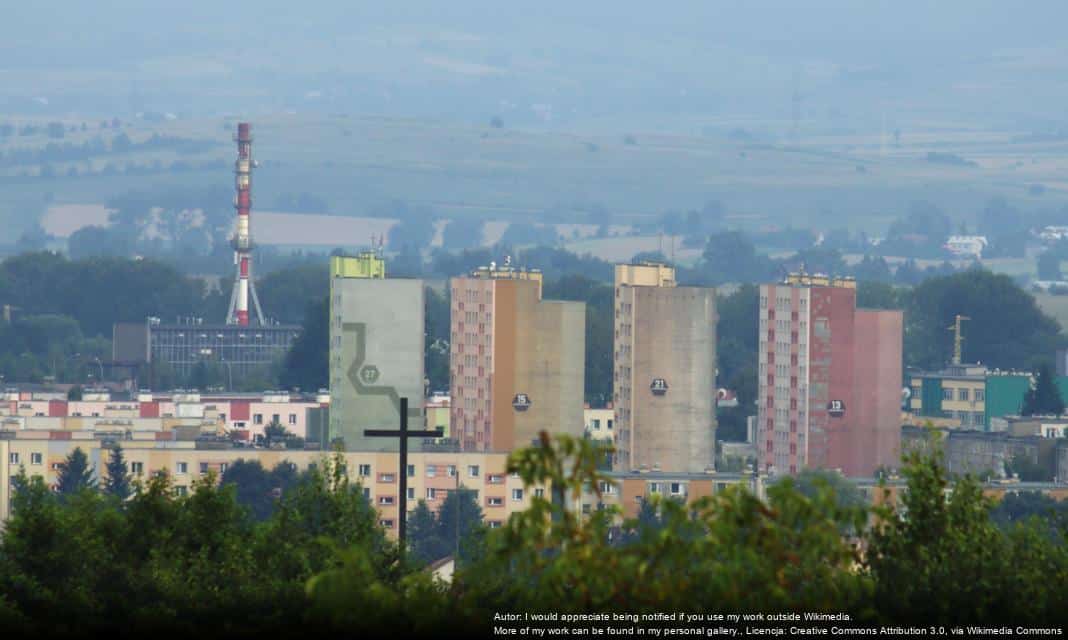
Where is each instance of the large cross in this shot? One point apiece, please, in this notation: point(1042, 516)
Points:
point(403, 434)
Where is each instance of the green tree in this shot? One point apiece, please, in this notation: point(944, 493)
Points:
point(462, 233)
point(460, 525)
point(1049, 266)
point(1043, 398)
point(730, 549)
point(1006, 330)
point(117, 482)
point(938, 556)
point(307, 362)
point(425, 544)
point(877, 295)
point(600, 328)
point(730, 256)
point(74, 474)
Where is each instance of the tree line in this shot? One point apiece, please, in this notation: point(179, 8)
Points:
point(82, 561)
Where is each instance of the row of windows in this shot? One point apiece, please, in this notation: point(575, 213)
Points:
point(968, 418)
point(258, 418)
point(963, 394)
point(433, 471)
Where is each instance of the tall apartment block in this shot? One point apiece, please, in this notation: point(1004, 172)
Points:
point(376, 351)
point(665, 371)
point(829, 378)
point(517, 362)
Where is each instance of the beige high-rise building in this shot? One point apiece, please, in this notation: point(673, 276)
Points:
point(664, 371)
point(517, 362)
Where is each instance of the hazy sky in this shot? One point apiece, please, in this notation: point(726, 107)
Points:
point(580, 60)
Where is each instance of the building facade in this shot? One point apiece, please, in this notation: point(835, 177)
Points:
point(970, 396)
point(664, 378)
point(237, 351)
point(376, 351)
point(517, 362)
point(829, 379)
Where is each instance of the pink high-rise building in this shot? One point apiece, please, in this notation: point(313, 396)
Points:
point(829, 379)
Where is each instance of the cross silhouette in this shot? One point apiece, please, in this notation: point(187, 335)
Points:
point(403, 434)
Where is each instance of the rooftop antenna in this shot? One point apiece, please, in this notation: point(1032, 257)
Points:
point(958, 337)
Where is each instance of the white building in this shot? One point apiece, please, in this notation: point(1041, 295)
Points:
point(966, 245)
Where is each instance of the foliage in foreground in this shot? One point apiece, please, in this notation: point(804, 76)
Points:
point(320, 560)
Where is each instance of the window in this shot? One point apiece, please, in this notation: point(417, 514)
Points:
point(411, 493)
point(13, 457)
point(388, 524)
point(962, 394)
point(137, 468)
point(654, 487)
point(494, 524)
point(980, 395)
point(36, 458)
point(596, 424)
point(275, 418)
point(495, 502)
point(385, 500)
point(223, 467)
point(367, 493)
point(203, 467)
point(947, 394)
point(495, 478)
point(586, 508)
point(539, 493)
point(182, 467)
point(517, 495)
point(452, 471)
point(387, 477)
point(364, 470)
point(430, 493)
point(292, 418)
point(181, 491)
point(257, 419)
point(607, 488)
point(411, 471)
point(609, 424)
point(431, 470)
point(677, 489)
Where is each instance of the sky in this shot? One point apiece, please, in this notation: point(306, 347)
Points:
point(555, 64)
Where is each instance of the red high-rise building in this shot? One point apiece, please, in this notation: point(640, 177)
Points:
point(829, 378)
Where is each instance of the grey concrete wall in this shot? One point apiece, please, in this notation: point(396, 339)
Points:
point(674, 339)
point(376, 357)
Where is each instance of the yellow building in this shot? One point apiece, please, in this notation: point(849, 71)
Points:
point(955, 397)
point(430, 476)
point(600, 423)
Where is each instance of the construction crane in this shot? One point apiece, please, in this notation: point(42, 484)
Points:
point(958, 338)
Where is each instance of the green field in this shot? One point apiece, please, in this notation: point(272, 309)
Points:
point(360, 165)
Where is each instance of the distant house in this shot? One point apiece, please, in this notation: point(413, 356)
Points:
point(965, 246)
point(443, 569)
point(1053, 233)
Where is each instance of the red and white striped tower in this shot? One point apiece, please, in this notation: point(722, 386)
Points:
point(244, 289)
